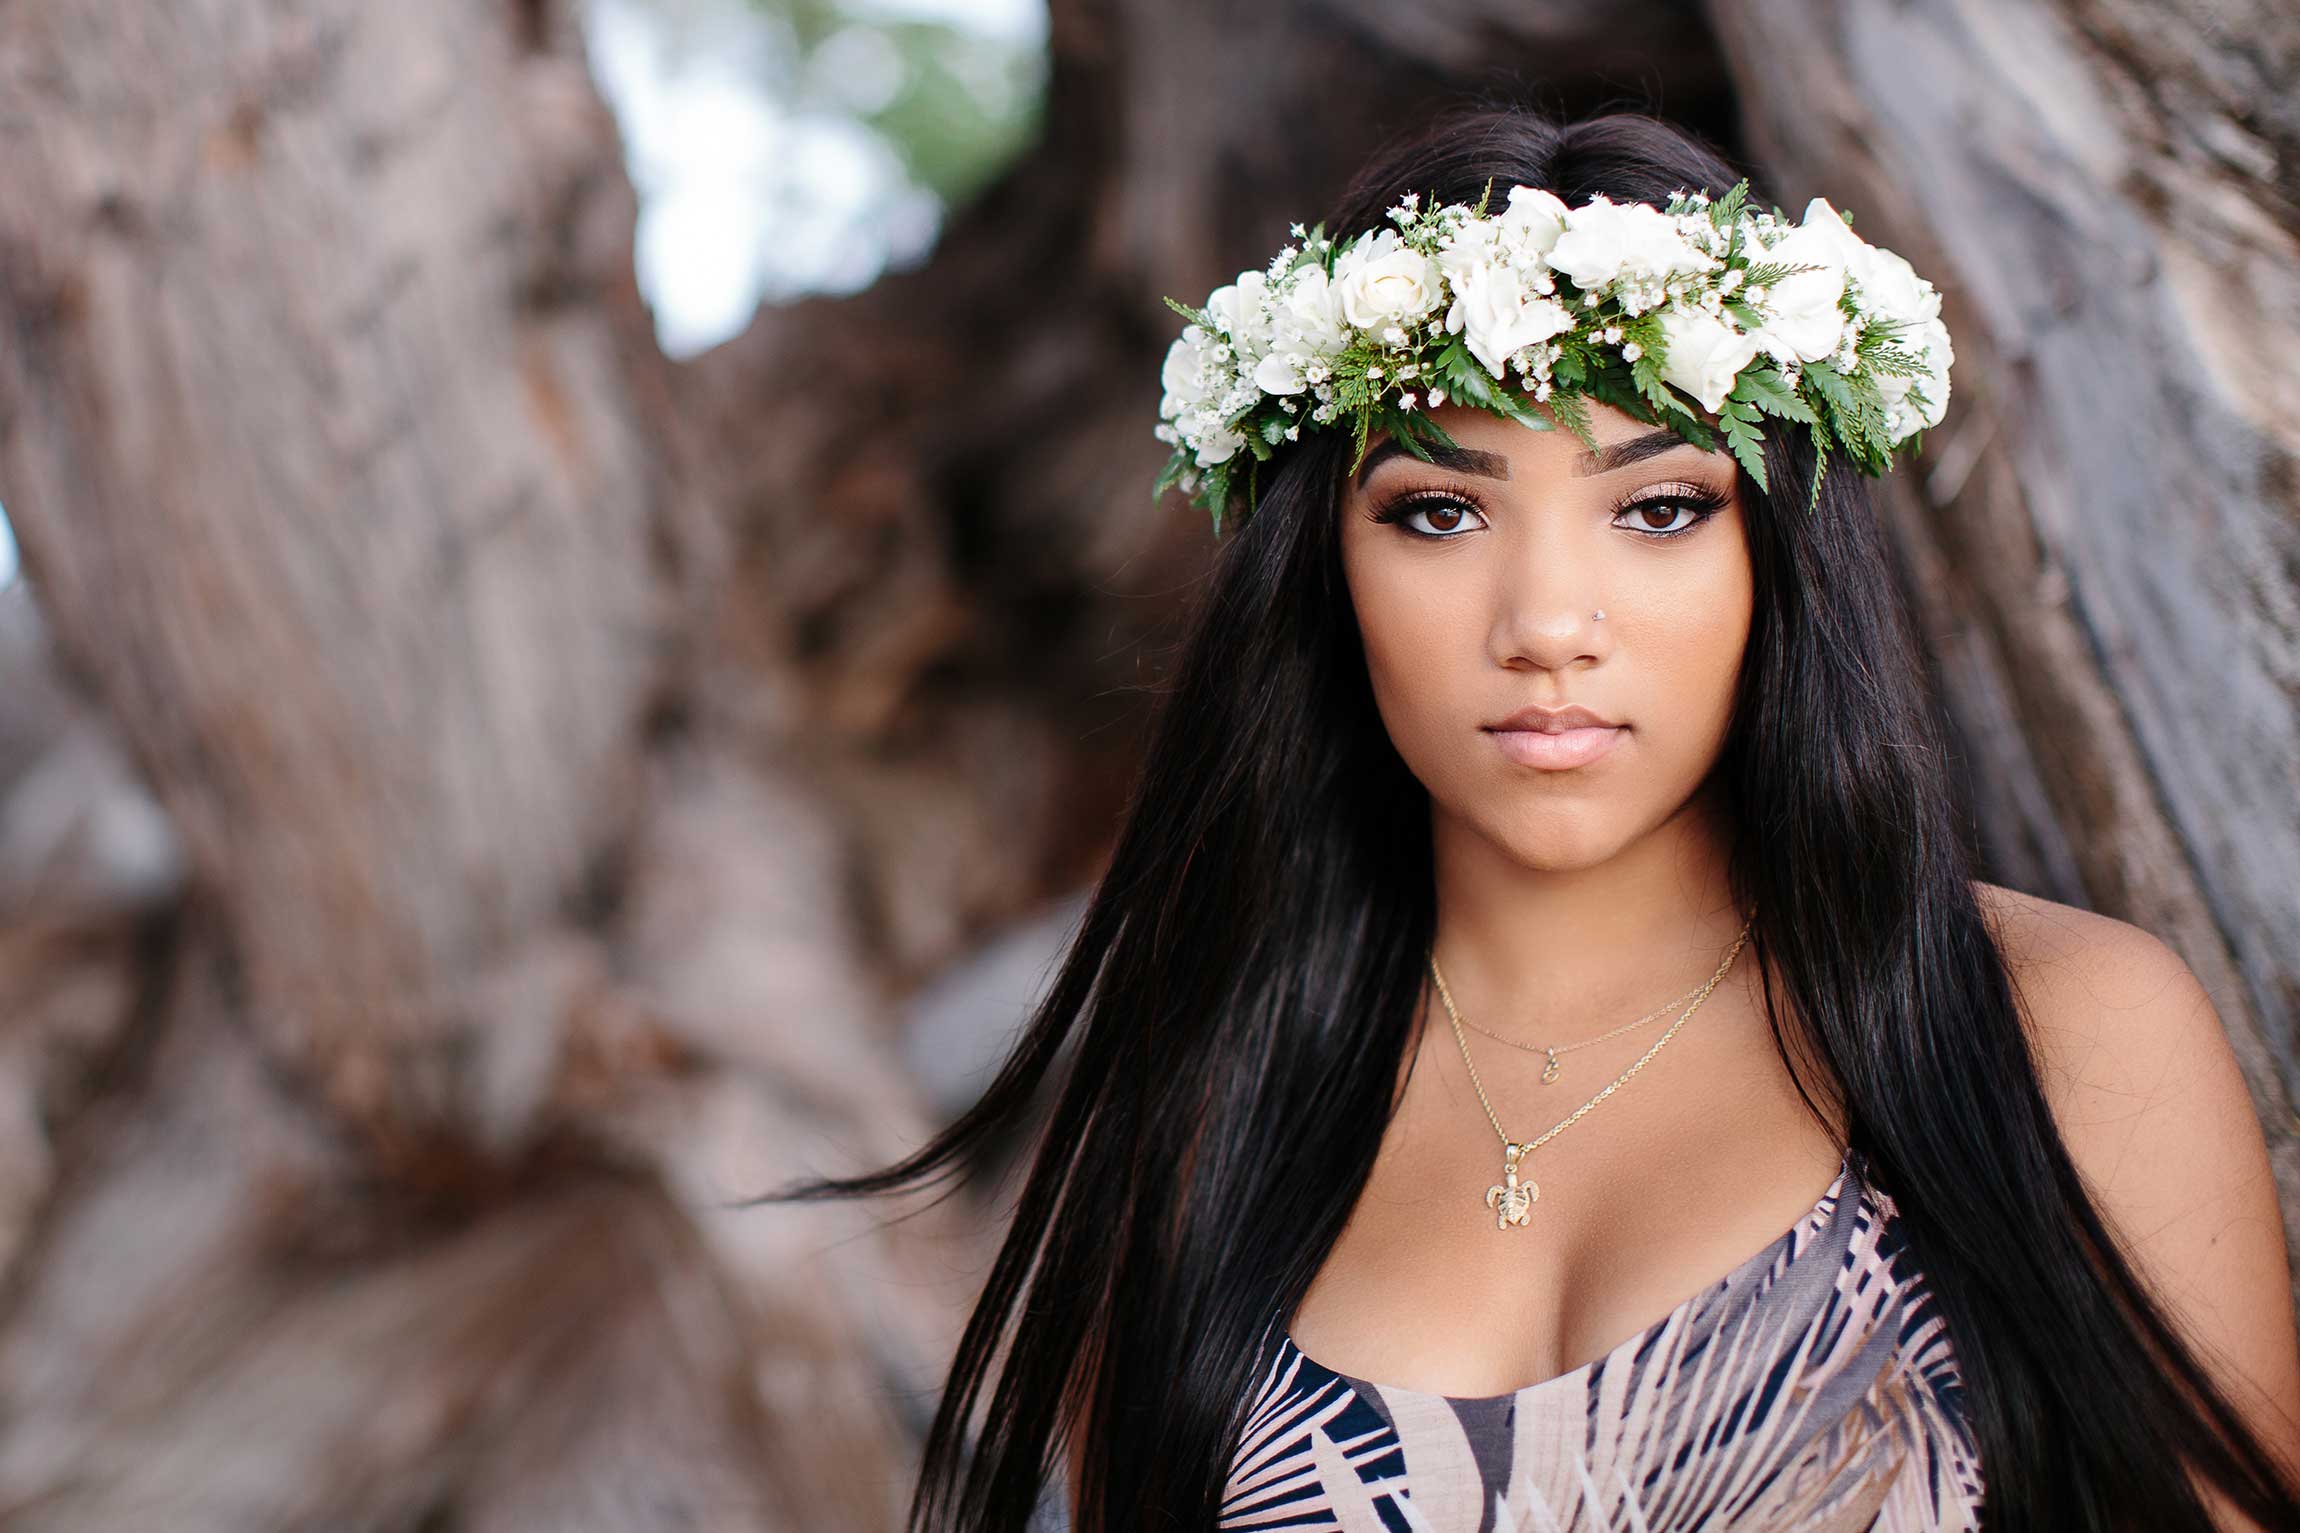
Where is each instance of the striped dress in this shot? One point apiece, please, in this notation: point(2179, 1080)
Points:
point(1810, 1390)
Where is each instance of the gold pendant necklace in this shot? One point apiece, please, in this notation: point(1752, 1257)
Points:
point(1512, 1198)
point(1552, 1050)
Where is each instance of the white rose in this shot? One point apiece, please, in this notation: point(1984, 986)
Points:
point(1218, 444)
point(1533, 220)
point(1802, 320)
point(1197, 388)
point(1306, 327)
point(1190, 374)
point(1281, 372)
point(1522, 234)
point(1497, 318)
point(1311, 316)
point(1384, 282)
point(1888, 286)
point(1702, 354)
point(1241, 309)
point(1474, 244)
point(1930, 341)
point(1828, 226)
point(1605, 241)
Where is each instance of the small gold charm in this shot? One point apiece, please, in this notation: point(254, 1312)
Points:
point(1549, 1071)
point(1511, 1198)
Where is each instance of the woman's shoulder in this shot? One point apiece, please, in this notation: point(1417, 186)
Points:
point(2048, 939)
point(2130, 1049)
point(2116, 1018)
point(2088, 982)
point(2144, 1085)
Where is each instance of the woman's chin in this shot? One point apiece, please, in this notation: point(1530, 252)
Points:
point(1560, 838)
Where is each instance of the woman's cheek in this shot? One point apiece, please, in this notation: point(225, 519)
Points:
point(1409, 692)
point(1414, 685)
point(1697, 657)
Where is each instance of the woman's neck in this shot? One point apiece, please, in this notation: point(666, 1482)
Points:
point(1560, 953)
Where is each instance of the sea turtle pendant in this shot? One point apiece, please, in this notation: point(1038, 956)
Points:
point(1512, 1198)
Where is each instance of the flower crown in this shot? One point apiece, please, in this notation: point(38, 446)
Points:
point(1705, 303)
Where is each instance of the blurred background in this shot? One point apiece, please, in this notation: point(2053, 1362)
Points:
point(579, 602)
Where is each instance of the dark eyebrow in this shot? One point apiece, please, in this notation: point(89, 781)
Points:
point(1462, 460)
point(1621, 454)
point(1493, 465)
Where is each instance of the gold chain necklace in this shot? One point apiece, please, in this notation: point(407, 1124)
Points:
point(1549, 1071)
point(1512, 1197)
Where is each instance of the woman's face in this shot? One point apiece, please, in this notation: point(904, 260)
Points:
point(1475, 585)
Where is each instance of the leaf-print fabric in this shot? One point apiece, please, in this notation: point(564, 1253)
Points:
point(1811, 1390)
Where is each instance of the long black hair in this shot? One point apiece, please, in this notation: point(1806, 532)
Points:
point(1218, 1052)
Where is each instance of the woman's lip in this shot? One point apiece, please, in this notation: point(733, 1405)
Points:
point(1556, 752)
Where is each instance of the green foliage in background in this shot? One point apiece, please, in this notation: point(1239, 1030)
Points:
point(965, 104)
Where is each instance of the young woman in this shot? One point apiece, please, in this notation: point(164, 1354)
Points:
point(1539, 1056)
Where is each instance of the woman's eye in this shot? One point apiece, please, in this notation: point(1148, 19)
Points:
point(1438, 517)
point(1446, 517)
point(1662, 517)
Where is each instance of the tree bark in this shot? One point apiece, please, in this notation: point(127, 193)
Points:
point(372, 1165)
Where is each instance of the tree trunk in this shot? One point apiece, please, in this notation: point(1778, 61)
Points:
point(374, 1181)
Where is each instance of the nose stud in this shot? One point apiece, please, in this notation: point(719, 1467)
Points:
point(1599, 615)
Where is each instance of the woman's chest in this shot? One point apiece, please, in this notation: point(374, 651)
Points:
point(1688, 1432)
point(1813, 1388)
point(1643, 1201)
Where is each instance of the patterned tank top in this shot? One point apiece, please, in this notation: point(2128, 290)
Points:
point(1810, 1390)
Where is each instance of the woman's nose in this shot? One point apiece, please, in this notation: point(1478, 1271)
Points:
point(1553, 620)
